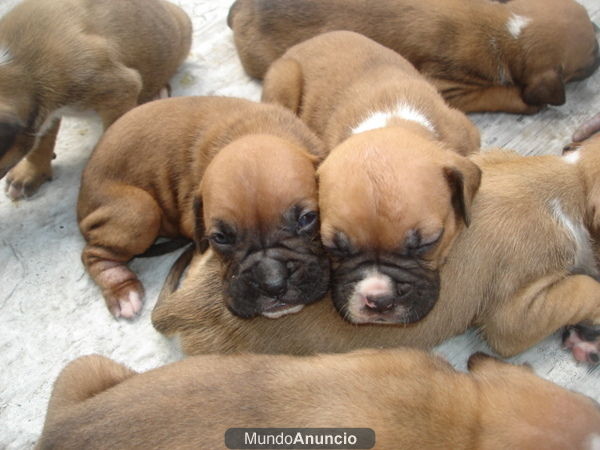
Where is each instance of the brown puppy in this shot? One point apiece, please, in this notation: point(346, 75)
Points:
point(235, 172)
point(58, 56)
point(408, 398)
point(483, 55)
point(524, 268)
point(395, 190)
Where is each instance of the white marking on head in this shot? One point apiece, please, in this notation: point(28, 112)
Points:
point(572, 157)
point(584, 255)
point(593, 441)
point(373, 283)
point(380, 119)
point(6, 56)
point(283, 312)
point(516, 24)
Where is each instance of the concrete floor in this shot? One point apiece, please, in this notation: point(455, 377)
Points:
point(51, 312)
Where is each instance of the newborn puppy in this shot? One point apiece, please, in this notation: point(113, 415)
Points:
point(395, 190)
point(62, 56)
point(483, 55)
point(408, 398)
point(236, 173)
point(524, 268)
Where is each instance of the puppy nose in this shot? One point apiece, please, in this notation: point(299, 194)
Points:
point(271, 276)
point(379, 303)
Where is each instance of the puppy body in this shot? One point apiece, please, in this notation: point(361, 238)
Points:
point(482, 55)
point(410, 400)
point(395, 167)
point(524, 268)
point(72, 55)
point(229, 170)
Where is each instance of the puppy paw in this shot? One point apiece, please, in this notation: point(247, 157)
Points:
point(122, 290)
point(584, 342)
point(25, 179)
point(165, 92)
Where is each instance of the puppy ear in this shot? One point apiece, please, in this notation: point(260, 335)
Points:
point(283, 84)
point(464, 179)
point(545, 88)
point(199, 229)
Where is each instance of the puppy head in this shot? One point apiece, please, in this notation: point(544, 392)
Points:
point(559, 45)
point(16, 106)
point(257, 206)
point(521, 410)
point(391, 205)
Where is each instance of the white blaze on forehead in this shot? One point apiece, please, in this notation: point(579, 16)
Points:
point(572, 157)
point(516, 24)
point(5, 56)
point(380, 119)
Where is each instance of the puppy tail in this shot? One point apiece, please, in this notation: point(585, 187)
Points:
point(163, 248)
point(84, 378)
point(232, 11)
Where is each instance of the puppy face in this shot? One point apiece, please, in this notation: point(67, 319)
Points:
point(550, 61)
point(391, 205)
point(259, 201)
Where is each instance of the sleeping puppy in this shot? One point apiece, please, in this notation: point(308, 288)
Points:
point(482, 55)
point(395, 189)
point(408, 398)
point(63, 56)
point(524, 268)
point(236, 173)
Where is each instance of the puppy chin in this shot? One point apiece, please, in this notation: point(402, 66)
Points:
point(364, 304)
point(282, 311)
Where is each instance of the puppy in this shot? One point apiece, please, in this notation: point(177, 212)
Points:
point(588, 129)
point(395, 190)
point(408, 398)
point(483, 55)
point(61, 56)
point(525, 267)
point(235, 173)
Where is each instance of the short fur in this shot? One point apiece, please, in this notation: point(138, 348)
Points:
point(410, 400)
point(234, 173)
point(72, 55)
point(517, 273)
point(465, 47)
point(405, 181)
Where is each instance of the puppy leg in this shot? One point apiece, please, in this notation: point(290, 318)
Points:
point(283, 84)
point(491, 99)
point(28, 175)
point(124, 225)
point(126, 86)
point(584, 341)
point(539, 310)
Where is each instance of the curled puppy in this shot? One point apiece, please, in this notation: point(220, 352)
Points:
point(235, 173)
point(484, 55)
point(408, 398)
point(524, 268)
point(61, 56)
point(395, 190)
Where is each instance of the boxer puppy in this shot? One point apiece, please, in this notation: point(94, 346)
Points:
point(408, 398)
point(513, 56)
point(235, 173)
point(524, 268)
point(395, 190)
point(62, 56)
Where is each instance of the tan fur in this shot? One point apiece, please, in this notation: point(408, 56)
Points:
point(165, 166)
point(463, 46)
point(515, 272)
point(397, 178)
point(410, 400)
point(79, 54)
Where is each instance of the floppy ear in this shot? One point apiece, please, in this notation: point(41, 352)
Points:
point(545, 88)
point(199, 229)
point(464, 179)
point(283, 84)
